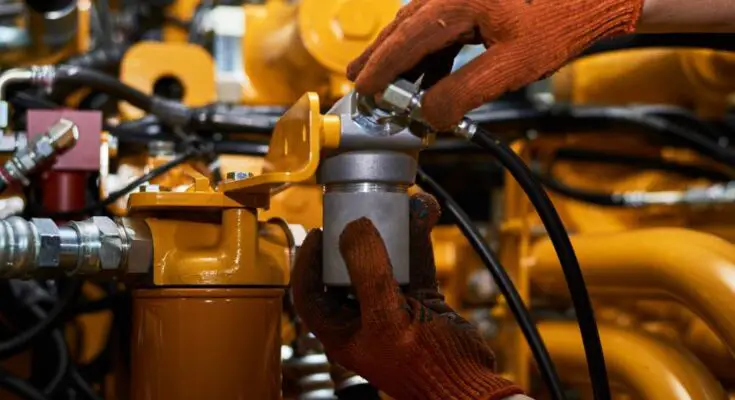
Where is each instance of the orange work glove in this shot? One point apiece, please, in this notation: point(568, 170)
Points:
point(410, 346)
point(526, 40)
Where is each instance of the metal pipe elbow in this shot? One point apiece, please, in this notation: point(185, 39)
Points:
point(651, 369)
point(693, 268)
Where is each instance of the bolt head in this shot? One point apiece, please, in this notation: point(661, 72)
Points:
point(356, 21)
point(237, 176)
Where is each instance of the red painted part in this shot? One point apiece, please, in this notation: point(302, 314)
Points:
point(64, 191)
point(85, 156)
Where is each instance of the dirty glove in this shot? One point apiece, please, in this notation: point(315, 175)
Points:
point(526, 40)
point(410, 346)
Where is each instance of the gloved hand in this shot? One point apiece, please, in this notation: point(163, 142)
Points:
point(410, 346)
point(526, 40)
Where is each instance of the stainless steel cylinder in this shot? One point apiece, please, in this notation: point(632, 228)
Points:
point(370, 184)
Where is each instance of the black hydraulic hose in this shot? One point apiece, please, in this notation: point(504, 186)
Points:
point(505, 284)
point(130, 187)
point(85, 77)
point(83, 387)
point(23, 340)
point(646, 163)
point(602, 199)
point(606, 199)
point(713, 41)
point(594, 119)
point(62, 355)
point(103, 58)
point(19, 387)
point(567, 258)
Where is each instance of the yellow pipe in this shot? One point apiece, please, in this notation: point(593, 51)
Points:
point(645, 366)
point(693, 268)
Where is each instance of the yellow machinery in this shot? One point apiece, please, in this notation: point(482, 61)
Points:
point(206, 260)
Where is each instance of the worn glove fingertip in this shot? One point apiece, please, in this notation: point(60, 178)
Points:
point(425, 210)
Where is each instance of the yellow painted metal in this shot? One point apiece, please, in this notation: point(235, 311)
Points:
point(515, 243)
point(191, 251)
point(703, 79)
point(199, 195)
point(202, 237)
point(179, 13)
point(296, 47)
point(145, 63)
point(337, 31)
point(693, 268)
point(298, 204)
point(294, 151)
point(704, 83)
point(648, 368)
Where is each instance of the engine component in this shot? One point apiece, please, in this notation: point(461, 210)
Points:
point(236, 273)
point(41, 151)
point(100, 245)
point(54, 23)
point(368, 175)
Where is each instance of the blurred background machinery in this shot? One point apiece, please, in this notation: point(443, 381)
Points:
point(162, 161)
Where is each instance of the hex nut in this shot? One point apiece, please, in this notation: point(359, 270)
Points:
point(111, 249)
point(49, 236)
point(43, 148)
point(139, 245)
point(399, 96)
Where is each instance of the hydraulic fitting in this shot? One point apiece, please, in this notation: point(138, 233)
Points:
point(368, 176)
point(39, 153)
point(403, 99)
point(723, 193)
point(40, 248)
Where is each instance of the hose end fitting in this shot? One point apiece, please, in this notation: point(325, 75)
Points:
point(40, 152)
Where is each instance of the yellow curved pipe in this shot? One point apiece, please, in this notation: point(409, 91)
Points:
point(693, 268)
point(645, 366)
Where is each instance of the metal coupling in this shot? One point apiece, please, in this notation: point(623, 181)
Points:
point(715, 194)
point(41, 248)
point(403, 99)
point(40, 152)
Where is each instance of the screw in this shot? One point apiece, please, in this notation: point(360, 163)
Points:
point(238, 176)
point(149, 188)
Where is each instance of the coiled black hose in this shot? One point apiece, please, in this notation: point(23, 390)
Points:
point(62, 355)
point(23, 340)
point(19, 387)
point(567, 257)
point(505, 284)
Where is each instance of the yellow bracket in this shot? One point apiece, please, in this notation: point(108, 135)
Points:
point(294, 151)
